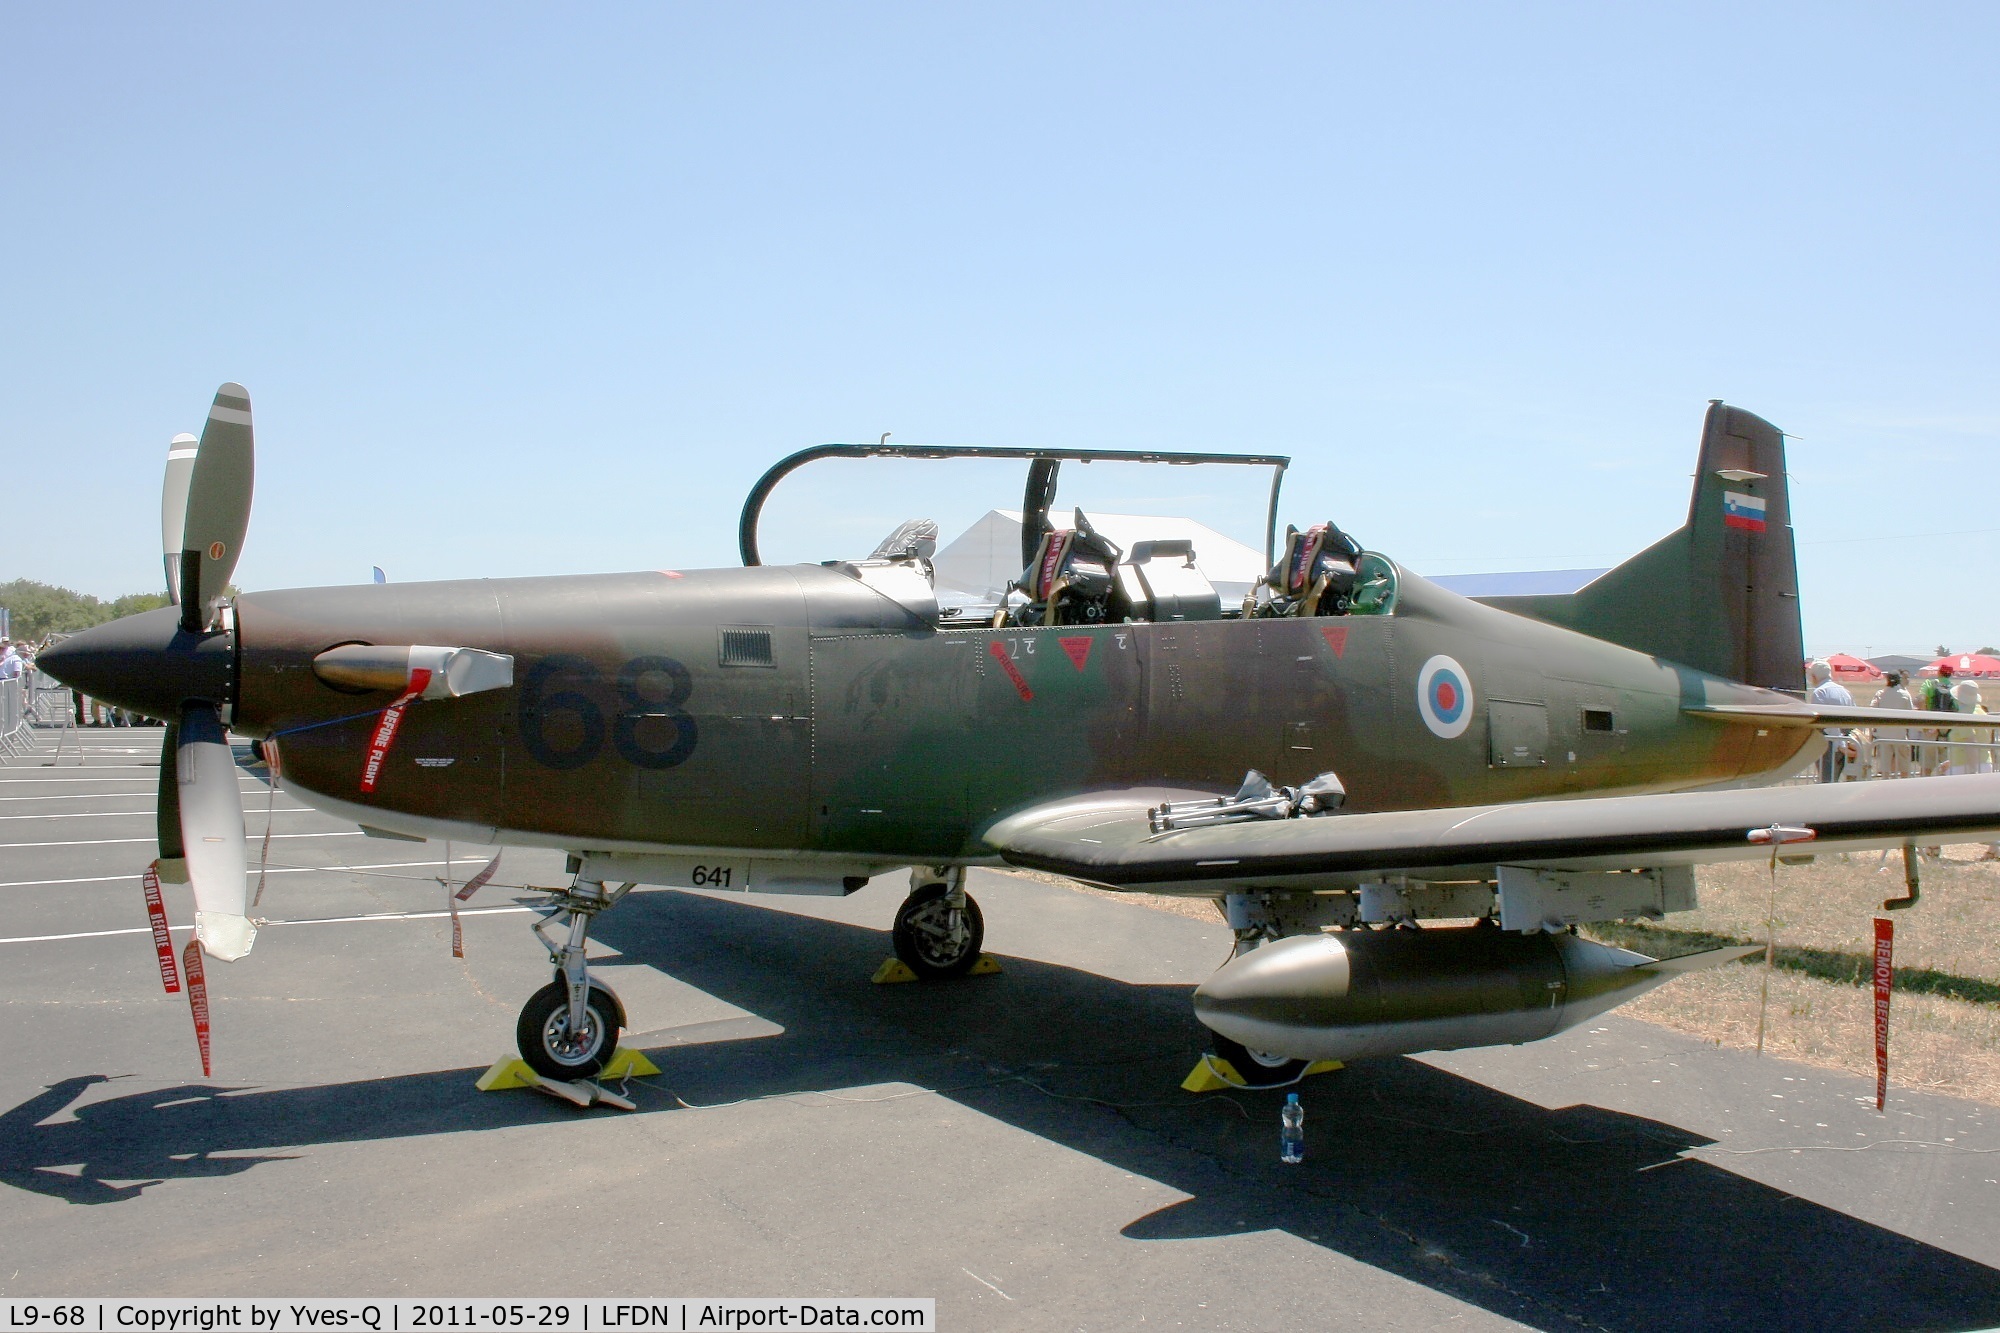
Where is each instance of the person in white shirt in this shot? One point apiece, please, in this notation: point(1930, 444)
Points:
point(1891, 742)
point(1828, 691)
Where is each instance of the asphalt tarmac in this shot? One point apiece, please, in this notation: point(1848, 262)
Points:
point(1014, 1146)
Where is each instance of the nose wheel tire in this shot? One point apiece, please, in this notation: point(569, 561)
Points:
point(548, 1045)
point(933, 937)
point(1258, 1069)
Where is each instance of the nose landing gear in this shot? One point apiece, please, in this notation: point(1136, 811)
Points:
point(569, 1028)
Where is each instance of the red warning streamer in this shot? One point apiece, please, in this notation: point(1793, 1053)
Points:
point(479, 881)
point(998, 652)
point(163, 939)
point(385, 730)
point(197, 1000)
point(1885, 973)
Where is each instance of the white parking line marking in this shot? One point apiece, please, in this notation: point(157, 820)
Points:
point(133, 876)
point(134, 814)
point(87, 795)
point(78, 774)
point(299, 921)
point(111, 842)
point(146, 792)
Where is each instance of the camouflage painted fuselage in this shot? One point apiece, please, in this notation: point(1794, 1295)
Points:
point(796, 708)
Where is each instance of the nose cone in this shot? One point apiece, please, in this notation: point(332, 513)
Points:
point(146, 663)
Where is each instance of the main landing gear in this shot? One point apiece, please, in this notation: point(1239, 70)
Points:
point(569, 1028)
point(938, 930)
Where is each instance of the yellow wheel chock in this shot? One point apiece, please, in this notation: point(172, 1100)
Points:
point(1214, 1073)
point(513, 1072)
point(895, 971)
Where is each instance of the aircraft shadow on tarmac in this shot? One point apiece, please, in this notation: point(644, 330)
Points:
point(1544, 1216)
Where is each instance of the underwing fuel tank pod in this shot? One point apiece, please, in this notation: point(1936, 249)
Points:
point(1358, 993)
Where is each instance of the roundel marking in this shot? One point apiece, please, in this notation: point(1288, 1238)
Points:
point(1444, 697)
point(215, 551)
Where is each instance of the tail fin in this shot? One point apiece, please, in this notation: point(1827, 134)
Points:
point(1720, 594)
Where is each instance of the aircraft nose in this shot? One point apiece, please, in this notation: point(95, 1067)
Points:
point(146, 663)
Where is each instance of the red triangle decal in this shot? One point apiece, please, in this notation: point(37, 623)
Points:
point(1078, 649)
point(1336, 639)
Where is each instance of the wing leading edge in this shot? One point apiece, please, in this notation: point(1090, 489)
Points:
point(1106, 838)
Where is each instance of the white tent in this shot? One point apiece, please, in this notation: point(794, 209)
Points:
point(982, 560)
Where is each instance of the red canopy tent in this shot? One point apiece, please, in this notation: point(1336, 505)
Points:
point(1848, 667)
point(1975, 665)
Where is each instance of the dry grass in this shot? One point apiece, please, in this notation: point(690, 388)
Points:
point(1945, 1017)
point(1200, 909)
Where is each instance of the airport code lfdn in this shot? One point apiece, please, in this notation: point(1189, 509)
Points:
point(573, 1315)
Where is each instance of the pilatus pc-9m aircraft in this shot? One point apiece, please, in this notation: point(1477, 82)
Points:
point(1527, 763)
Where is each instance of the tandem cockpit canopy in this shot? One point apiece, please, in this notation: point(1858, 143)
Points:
point(1100, 568)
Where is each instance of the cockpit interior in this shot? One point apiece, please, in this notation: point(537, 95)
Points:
point(1076, 575)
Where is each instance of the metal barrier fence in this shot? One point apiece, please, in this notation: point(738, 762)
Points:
point(15, 738)
point(50, 704)
point(1921, 757)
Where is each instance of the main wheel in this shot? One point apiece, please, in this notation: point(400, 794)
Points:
point(933, 938)
point(1256, 1068)
point(548, 1045)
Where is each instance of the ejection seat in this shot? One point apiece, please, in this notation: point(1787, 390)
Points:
point(1069, 582)
point(900, 568)
point(1315, 576)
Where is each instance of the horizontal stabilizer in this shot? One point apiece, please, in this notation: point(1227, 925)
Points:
point(1814, 715)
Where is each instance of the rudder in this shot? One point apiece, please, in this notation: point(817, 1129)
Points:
point(1721, 593)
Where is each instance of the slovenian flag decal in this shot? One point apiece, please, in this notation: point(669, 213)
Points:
point(1742, 511)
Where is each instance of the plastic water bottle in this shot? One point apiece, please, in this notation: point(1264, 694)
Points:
point(1292, 1130)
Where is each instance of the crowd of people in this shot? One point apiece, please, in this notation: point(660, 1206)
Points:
point(1902, 752)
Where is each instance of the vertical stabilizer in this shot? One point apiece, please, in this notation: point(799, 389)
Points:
point(1720, 594)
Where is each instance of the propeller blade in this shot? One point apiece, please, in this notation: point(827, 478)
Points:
point(173, 506)
point(167, 814)
point(212, 833)
point(218, 505)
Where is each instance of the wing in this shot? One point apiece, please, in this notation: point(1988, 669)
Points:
point(1107, 838)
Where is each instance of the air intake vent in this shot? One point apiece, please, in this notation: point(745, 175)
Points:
point(746, 648)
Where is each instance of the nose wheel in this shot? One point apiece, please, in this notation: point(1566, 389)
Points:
point(553, 1047)
point(938, 930)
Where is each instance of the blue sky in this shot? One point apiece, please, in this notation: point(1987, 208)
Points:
point(524, 289)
